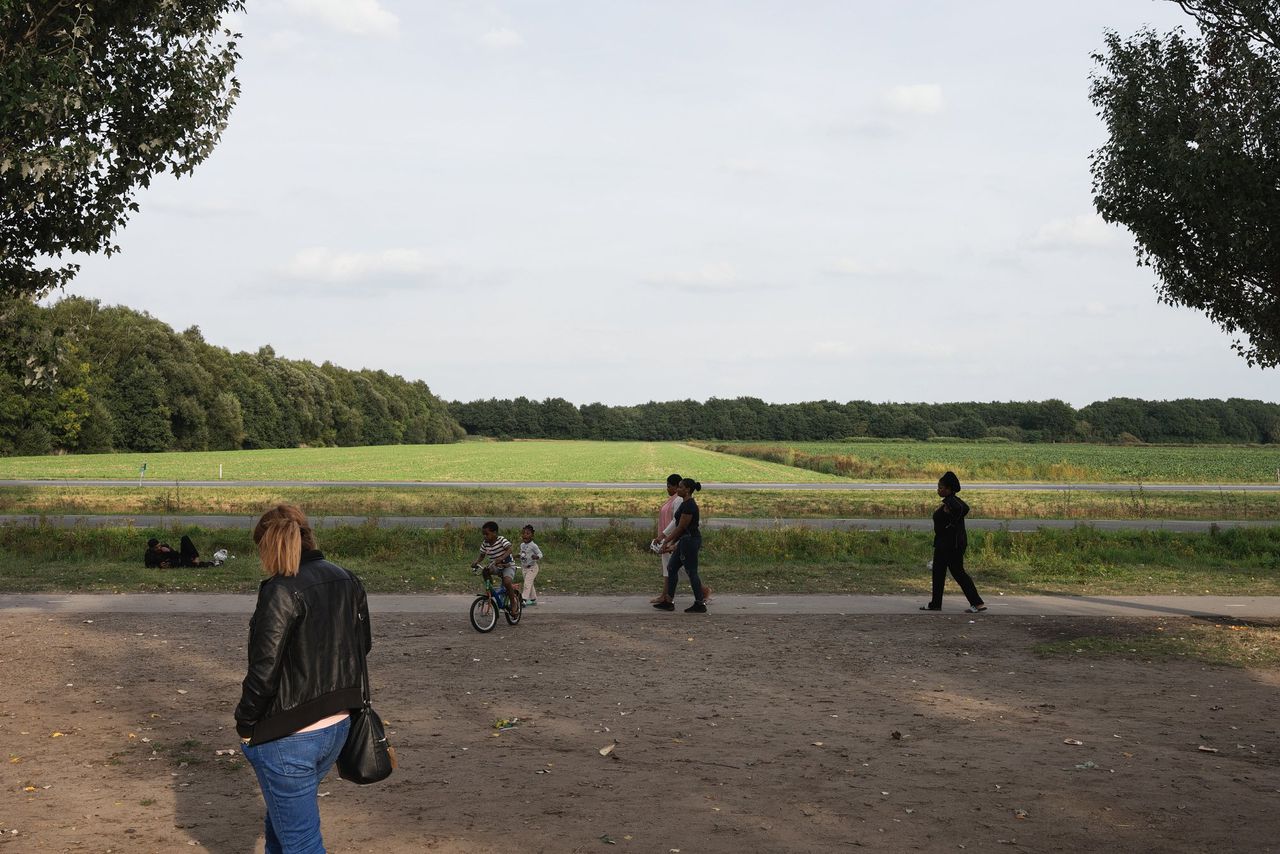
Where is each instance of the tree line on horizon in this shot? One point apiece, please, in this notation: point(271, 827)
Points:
point(80, 377)
point(1233, 421)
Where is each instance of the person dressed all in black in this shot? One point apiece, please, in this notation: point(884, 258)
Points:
point(684, 543)
point(163, 556)
point(949, 544)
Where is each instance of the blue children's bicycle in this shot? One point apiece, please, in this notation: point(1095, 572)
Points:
point(494, 598)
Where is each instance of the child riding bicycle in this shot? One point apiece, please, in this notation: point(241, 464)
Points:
point(496, 550)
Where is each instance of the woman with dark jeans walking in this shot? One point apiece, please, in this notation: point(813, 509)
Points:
point(949, 544)
point(685, 542)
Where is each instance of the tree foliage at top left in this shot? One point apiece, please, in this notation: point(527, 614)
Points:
point(97, 98)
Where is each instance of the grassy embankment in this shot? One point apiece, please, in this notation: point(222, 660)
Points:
point(1003, 461)
point(918, 503)
point(1082, 561)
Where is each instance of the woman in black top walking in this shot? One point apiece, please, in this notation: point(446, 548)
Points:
point(949, 544)
point(685, 542)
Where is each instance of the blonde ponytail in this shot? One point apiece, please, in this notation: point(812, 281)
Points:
point(282, 534)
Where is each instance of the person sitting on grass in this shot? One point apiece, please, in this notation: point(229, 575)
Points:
point(496, 550)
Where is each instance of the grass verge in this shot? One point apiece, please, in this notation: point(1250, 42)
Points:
point(615, 560)
point(613, 503)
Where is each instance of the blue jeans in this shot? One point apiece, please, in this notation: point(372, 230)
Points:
point(289, 771)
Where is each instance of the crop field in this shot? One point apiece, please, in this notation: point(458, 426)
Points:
point(1065, 463)
point(571, 461)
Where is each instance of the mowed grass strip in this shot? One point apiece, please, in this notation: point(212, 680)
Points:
point(555, 461)
point(154, 499)
point(1007, 461)
point(615, 560)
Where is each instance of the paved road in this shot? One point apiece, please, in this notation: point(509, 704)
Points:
point(852, 486)
point(1240, 607)
point(210, 522)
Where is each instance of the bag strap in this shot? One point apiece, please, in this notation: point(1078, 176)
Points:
point(364, 662)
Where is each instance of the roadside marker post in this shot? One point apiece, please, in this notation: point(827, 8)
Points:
point(141, 472)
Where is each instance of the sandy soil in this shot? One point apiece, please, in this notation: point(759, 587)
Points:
point(732, 735)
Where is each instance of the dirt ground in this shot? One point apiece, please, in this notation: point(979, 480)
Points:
point(730, 735)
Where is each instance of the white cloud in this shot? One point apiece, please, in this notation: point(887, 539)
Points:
point(919, 99)
point(709, 278)
point(745, 166)
point(876, 345)
point(282, 41)
point(321, 264)
point(831, 349)
point(1086, 231)
point(207, 208)
point(503, 38)
point(855, 267)
point(353, 17)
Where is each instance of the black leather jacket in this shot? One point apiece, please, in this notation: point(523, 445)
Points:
point(305, 656)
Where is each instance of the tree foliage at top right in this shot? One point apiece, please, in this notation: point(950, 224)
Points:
point(1192, 163)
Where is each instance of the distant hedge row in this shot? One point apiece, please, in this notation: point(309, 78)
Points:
point(77, 376)
point(751, 419)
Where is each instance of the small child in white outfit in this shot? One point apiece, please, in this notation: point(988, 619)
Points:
point(530, 554)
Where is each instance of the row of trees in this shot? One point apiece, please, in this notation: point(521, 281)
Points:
point(749, 418)
point(78, 376)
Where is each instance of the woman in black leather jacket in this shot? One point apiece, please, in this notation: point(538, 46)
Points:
point(305, 674)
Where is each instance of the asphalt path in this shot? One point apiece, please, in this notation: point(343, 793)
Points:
point(1237, 607)
point(850, 486)
point(212, 522)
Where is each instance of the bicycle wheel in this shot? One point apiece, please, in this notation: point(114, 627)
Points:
point(513, 612)
point(484, 614)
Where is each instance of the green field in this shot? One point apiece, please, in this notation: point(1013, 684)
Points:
point(570, 461)
point(624, 462)
point(1065, 463)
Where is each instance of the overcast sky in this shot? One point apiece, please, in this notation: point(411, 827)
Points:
point(631, 201)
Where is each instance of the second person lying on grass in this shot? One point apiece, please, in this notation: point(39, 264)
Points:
point(684, 543)
point(495, 556)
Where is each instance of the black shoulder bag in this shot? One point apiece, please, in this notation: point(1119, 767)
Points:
point(367, 757)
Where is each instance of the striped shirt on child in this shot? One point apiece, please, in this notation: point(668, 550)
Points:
point(494, 550)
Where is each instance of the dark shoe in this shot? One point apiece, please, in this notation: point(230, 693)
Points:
point(664, 606)
point(930, 607)
point(696, 608)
